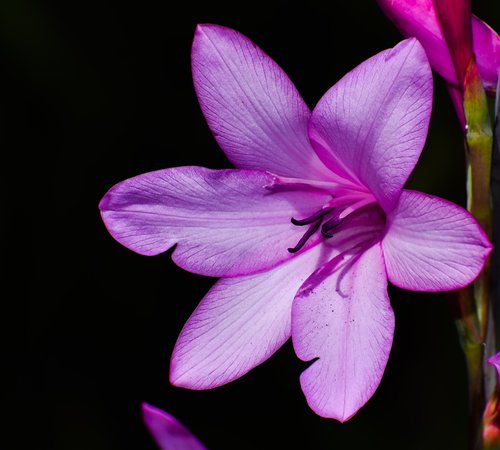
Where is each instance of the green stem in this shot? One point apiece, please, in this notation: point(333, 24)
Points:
point(477, 403)
point(479, 204)
point(479, 145)
point(491, 422)
point(470, 341)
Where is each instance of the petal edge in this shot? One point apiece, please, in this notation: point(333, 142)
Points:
point(432, 244)
point(346, 323)
point(253, 109)
point(371, 126)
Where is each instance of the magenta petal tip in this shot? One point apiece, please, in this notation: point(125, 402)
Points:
point(167, 431)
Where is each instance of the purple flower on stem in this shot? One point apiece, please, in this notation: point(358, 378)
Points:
point(419, 18)
point(167, 431)
point(309, 228)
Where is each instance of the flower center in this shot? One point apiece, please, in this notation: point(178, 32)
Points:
point(330, 217)
point(352, 213)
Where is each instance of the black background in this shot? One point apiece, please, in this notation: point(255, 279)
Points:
point(98, 91)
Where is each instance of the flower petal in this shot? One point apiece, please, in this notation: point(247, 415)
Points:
point(432, 244)
point(225, 222)
point(345, 319)
point(254, 110)
point(495, 362)
point(417, 18)
point(239, 324)
point(455, 18)
point(486, 44)
point(167, 431)
point(372, 125)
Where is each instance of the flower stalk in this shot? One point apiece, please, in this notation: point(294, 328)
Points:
point(491, 417)
point(478, 145)
point(465, 52)
point(456, 24)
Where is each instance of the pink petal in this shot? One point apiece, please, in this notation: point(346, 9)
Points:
point(487, 50)
point(495, 362)
point(254, 110)
point(372, 124)
point(239, 324)
point(345, 319)
point(417, 18)
point(455, 18)
point(167, 431)
point(432, 244)
point(225, 222)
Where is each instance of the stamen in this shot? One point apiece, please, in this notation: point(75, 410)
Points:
point(330, 225)
point(330, 216)
point(310, 231)
point(346, 199)
point(357, 205)
point(340, 215)
point(317, 215)
point(335, 181)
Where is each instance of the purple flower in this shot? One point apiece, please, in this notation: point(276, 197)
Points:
point(167, 431)
point(309, 228)
point(418, 18)
point(495, 362)
point(455, 20)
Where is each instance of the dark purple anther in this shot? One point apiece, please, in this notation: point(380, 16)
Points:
point(315, 222)
point(330, 225)
point(317, 215)
point(310, 231)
